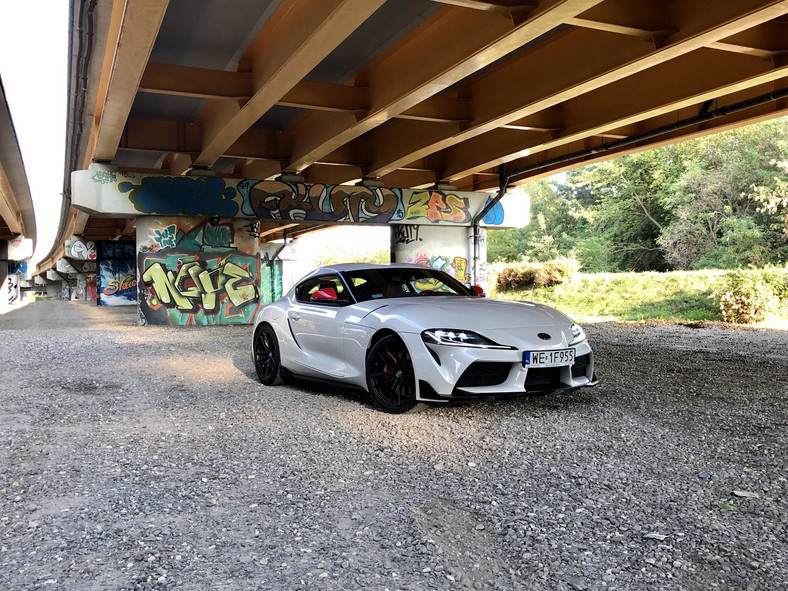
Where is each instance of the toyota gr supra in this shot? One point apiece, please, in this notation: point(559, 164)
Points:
point(410, 334)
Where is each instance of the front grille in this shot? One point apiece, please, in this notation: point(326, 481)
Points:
point(580, 368)
point(543, 378)
point(484, 373)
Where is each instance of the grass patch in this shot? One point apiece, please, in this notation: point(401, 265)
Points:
point(679, 296)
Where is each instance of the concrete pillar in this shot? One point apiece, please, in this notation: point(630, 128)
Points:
point(442, 247)
point(4, 300)
point(197, 271)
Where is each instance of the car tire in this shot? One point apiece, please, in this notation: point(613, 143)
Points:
point(390, 378)
point(265, 354)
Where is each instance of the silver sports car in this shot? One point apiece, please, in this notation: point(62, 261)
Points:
point(410, 334)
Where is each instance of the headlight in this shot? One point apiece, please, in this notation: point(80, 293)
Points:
point(458, 338)
point(577, 334)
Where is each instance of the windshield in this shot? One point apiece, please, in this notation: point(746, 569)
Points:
point(370, 284)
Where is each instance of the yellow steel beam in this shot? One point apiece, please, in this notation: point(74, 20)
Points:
point(440, 109)
point(326, 97)
point(9, 210)
point(582, 60)
point(390, 139)
point(161, 136)
point(501, 7)
point(756, 114)
point(306, 94)
point(402, 78)
point(645, 34)
point(238, 86)
point(708, 75)
point(196, 82)
point(137, 32)
point(295, 39)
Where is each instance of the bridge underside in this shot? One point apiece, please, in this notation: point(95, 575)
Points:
point(410, 93)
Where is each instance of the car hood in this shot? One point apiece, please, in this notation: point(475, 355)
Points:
point(469, 313)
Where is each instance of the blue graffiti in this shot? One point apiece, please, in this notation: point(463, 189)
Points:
point(17, 267)
point(494, 217)
point(206, 196)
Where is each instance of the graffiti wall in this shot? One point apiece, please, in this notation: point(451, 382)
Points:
point(197, 271)
point(118, 280)
point(445, 248)
point(80, 266)
point(82, 250)
point(18, 267)
point(132, 194)
point(11, 293)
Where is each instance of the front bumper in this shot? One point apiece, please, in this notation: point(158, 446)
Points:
point(463, 373)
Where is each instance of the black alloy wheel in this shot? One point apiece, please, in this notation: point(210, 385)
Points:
point(390, 377)
point(266, 356)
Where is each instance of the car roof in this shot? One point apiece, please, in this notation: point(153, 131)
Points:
point(348, 267)
point(343, 267)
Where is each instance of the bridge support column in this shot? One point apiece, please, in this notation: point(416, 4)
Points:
point(197, 270)
point(443, 247)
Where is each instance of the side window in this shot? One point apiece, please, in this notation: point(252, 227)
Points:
point(328, 285)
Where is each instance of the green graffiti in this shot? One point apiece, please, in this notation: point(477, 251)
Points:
point(104, 177)
point(240, 294)
point(195, 288)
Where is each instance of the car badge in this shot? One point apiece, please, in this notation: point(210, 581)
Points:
point(544, 336)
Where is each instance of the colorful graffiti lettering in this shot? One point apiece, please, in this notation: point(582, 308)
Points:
point(195, 271)
point(12, 294)
point(253, 227)
point(113, 250)
point(76, 249)
point(118, 282)
point(270, 281)
point(439, 207)
point(194, 196)
point(495, 216)
point(457, 267)
point(165, 237)
point(278, 200)
point(105, 177)
point(84, 267)
point(208, 291)
point(90, 288)
point(118, 285)
point(17, 267)
point(130, 194)
point(207, 236)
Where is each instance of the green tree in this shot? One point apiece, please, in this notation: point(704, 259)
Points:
point(718, 201)
point(718, 221)
point(628, 197)
point(558, 224)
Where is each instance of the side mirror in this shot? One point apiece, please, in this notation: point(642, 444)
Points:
point(325, 294)
point(477, 289)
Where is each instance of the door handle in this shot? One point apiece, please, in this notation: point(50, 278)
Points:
point(295, 316)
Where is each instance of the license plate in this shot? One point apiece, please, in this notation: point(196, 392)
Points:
point(549, 358)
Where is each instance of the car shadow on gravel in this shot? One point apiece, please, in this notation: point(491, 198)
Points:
point(537, 401)
point(315, 388)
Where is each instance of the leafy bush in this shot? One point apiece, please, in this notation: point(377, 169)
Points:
point(515, 276)
point(748, 296)
point(525, 275)
point(777, 279)
point(555, 272)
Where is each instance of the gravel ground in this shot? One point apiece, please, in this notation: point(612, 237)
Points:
point(150, 458)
